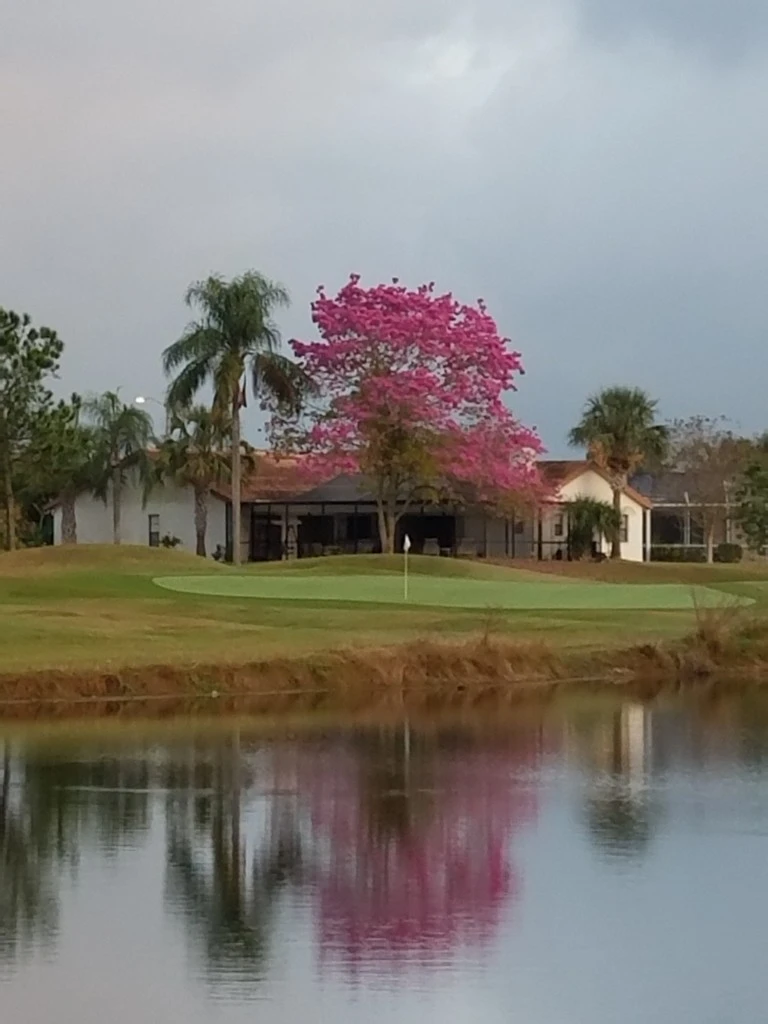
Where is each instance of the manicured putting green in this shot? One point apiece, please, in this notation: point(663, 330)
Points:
point(454, 593)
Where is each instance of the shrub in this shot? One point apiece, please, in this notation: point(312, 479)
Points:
point(729, 553)
point(671, 553)
point(170, 542)
point(588, 518)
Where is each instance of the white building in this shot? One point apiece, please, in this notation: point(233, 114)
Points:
point(169, 511)
point(280, 520)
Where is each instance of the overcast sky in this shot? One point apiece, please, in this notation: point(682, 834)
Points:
point(597, 170)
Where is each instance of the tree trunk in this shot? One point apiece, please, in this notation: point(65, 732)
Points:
point(68, 519)
point(201, 518)
point(9, 505)
point(236, 487)
point(618, 490)
point(387, 527)
point(117, 498)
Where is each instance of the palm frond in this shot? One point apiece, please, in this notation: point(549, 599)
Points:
point(618, 428)
point(120, 435)
point(234, 325)
point(198, 343)
point(278, 380)
point(195, 452)
point(183, 388)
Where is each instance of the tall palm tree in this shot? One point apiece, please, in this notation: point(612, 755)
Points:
point(235, 335)
point(194, 455)
point(123, 435)
point(618, 427)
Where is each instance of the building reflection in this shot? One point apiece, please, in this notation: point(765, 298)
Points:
point(621, 808)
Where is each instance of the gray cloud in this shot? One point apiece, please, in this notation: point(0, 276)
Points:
point(726, 31)
point(607, 200)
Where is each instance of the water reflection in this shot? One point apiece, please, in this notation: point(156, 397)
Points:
point(224, 885)
point(28, 894)
point(48, 809)
point(411, 839)
point(397, 840)
point(622, 811)
point(388, 858)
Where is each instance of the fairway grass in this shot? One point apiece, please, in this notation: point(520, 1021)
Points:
point(550, 594)
point(95, 609)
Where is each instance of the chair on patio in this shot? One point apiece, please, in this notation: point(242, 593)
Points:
point(431, 546)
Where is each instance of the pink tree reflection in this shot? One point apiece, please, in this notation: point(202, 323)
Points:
point(412, 848)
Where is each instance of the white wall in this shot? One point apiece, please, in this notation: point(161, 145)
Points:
point(174, 505)
point(592, 485)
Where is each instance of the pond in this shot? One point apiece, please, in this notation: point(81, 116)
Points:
point(588, 862)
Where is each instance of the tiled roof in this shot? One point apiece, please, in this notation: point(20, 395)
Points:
point(282, 479)
point(272, 479)
point(346, 489)
point(558, 472)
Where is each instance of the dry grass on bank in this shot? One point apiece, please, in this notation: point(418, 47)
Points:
point(422, 677)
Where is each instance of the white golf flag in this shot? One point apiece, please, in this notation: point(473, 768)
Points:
point(406, 544)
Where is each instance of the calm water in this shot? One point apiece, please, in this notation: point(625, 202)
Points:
point(596, 865)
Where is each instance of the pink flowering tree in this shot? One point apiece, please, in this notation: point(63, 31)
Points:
point(412, 387)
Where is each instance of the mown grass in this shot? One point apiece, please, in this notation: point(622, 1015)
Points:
point(96, 608)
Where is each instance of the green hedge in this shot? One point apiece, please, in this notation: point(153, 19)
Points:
point(729, 553)
point(665, 553)
point(723, 553)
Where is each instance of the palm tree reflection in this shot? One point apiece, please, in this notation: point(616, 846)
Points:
point(48, 809)
point(225, 883)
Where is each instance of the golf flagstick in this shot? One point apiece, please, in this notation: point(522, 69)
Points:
point(406, 549)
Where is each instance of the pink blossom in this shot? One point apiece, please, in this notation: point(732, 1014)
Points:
point(413, 386)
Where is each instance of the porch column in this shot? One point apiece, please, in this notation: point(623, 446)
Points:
point(646, 535)
point(485, 534)
point(567, 528)
point(540, 538)
point(356, 530)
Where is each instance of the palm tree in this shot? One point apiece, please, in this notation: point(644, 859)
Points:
point(588, 517)
point(122, 435)
point(194, 455)
point(234, 335)
point(618, 429)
